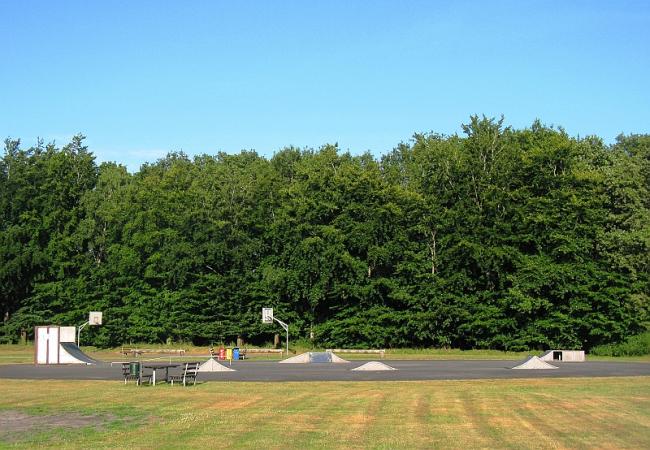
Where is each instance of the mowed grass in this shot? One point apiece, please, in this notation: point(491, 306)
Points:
point(16, 354)
point(12, 354)
point(557, 413)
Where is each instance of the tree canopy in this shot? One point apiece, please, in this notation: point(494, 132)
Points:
point(495, 238)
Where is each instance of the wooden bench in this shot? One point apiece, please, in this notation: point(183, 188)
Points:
point(244, 352)
point(190, 372)
point(141, 351)
point(381, 351)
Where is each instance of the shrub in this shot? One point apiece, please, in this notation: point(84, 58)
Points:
point(638, 345)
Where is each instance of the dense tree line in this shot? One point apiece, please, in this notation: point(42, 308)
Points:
point(497, 238)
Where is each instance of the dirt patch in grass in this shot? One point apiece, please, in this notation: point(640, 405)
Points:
point(15, 424)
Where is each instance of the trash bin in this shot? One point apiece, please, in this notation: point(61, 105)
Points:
point(229, 353)
point(134, 368)
point(235, 353)
point(222, 353)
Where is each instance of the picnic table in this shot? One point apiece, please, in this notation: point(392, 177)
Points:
point(156, 367)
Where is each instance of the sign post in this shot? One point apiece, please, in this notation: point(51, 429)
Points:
point(268, 317)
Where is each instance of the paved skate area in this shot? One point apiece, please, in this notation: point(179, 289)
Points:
point(407, 371)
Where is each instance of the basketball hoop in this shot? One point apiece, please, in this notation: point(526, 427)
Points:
point(94, 318)
point(268, 318)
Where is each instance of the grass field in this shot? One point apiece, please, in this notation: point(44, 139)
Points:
point(558, 413)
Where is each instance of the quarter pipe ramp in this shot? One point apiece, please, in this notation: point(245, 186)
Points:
point(70, 353)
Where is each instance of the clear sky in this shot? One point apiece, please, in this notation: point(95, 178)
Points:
point(144, 78)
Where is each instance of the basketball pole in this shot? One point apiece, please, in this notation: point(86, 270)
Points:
point(286, 328)
point(79, 331)
point(94, 318)
point(268, 317)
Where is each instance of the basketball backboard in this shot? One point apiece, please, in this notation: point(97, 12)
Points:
point(267, 315)
point(95, 318)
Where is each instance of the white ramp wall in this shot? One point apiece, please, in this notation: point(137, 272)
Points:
point(67, 334)
point(41, 345)
point(66, 358)
point(47, 345)
point(564, 355)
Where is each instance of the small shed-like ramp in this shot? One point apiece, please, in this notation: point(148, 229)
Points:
point(564, 355)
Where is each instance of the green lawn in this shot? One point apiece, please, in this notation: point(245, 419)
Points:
point(558, 413)
point(11, 354)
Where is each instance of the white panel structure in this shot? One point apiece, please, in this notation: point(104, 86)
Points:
point(41, 345)
point(53, 345)
point(66, 358)
point(564, 355)
point(67, 334)
point(56, 345)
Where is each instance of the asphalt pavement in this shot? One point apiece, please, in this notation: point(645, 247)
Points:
point(406, 371)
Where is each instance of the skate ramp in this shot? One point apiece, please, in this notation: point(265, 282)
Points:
point(534, 363)
point(564, 356)
point(314, 357)
point(70, 353)
point(374, 366)
point(318, 357)
point(211, 365)
point(337, 359)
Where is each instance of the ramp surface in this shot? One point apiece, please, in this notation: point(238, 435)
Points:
point(374, 366)
point(76, 356)
point(320, 357)
point(211, 365)
point(314, 357)
point(534, 363)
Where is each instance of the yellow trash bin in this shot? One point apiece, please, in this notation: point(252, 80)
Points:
point(229, 354)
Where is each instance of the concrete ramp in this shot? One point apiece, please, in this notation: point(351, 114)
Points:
point(534, 363)
point(211, 365)
point(337, 359)
point(320, 357)
point(314, 357)
point(70, 353)
point(303, 358)
point(374, 366)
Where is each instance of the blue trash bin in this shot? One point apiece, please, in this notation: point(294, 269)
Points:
point(235, 353)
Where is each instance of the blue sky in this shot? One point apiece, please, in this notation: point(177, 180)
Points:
point(140, 78)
